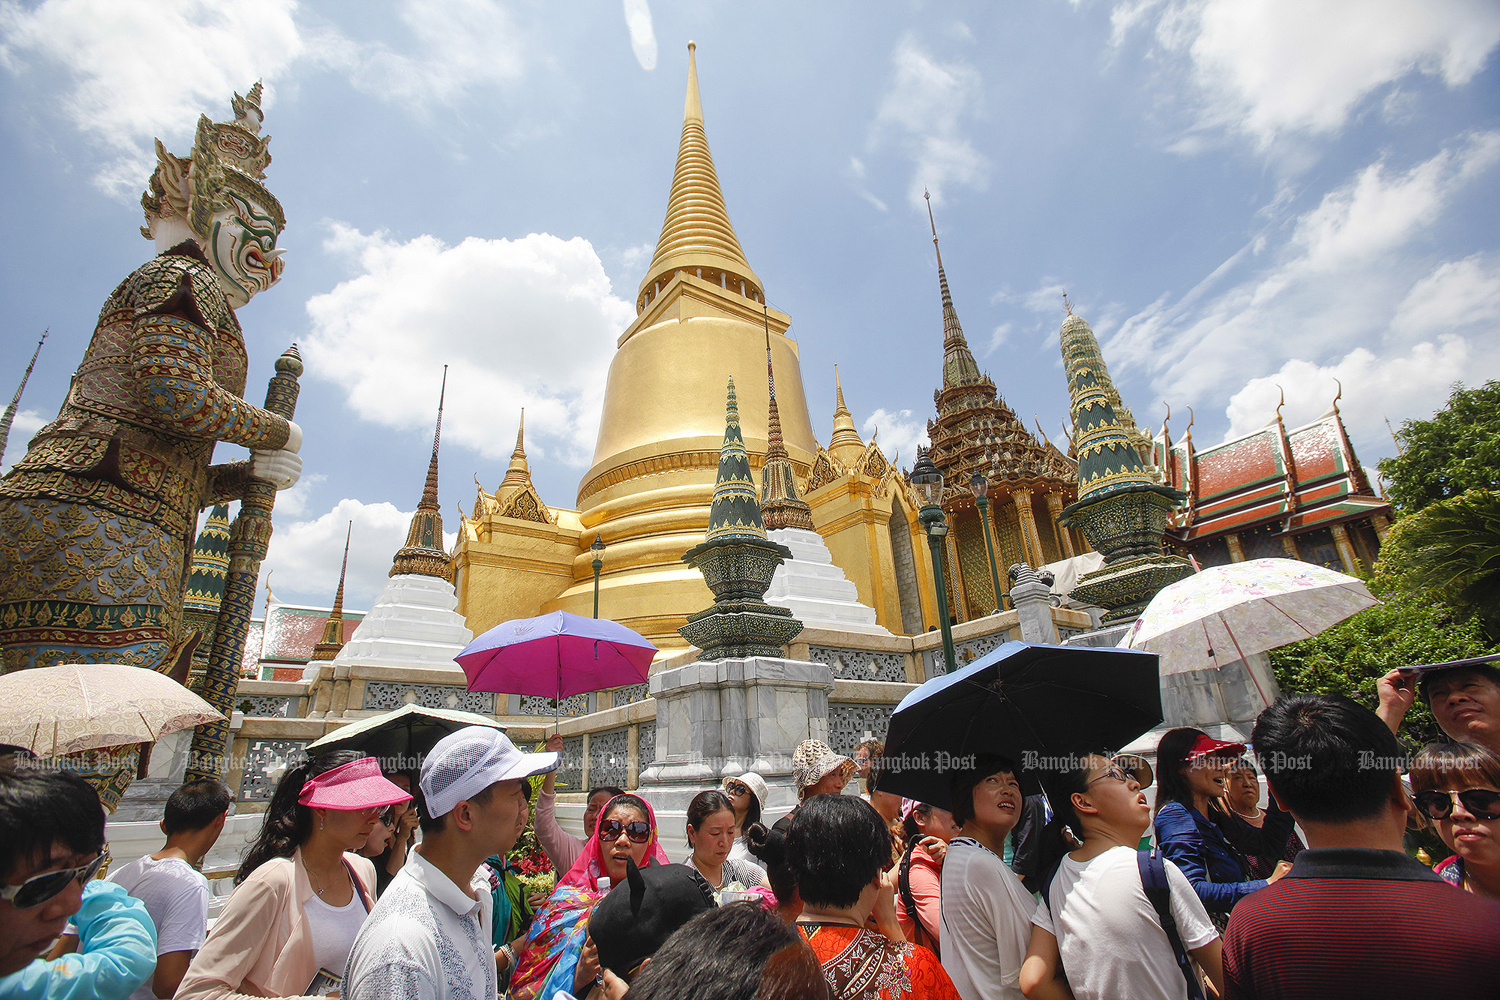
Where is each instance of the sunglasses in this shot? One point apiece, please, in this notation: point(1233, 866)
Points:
point(1126, 768)
point(1481, 803)
point(637, 831)
point(39, 888)
point(735, 788)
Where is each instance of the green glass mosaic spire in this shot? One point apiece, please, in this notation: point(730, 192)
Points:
point(205, 585)
point(735, 513)
point(1107, 460)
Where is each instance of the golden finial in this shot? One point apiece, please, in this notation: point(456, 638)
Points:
point(1189, 431)
point(1280, 404)
point(1067, 306)
point(1339, 396)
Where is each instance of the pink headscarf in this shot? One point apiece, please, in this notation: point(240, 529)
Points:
point(589, 867)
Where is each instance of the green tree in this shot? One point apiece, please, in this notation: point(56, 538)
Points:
point(1457, 450)
point(1348, 659)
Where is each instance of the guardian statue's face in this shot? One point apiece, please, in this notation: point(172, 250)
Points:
point(241, 245)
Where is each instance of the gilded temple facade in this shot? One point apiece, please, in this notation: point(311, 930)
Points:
point(701, 319)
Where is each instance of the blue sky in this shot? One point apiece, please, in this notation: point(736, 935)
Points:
point(1237, 194)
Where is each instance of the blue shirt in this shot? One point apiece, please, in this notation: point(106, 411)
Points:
point(116, 953)
point(1210, 852)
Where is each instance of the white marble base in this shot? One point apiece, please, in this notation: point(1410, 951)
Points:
point(814, 589)
point(413, 624)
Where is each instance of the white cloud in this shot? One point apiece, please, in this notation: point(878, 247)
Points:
point(1273, 67)
point(147, 68)
point(527, 323)
point(642, 34)
point(997, 338)
point(304, 556)
point(1457, 294)
point(458, 45)
point(1398, 386)
point(23, 425)
point(1333, 284)
point(924, 115)
point(900, 433)
point(1343, 293)
point(139, 70)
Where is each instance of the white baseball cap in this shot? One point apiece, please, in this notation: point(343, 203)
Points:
point(465, 763)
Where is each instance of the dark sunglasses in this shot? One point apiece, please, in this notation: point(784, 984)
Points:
point(735, 788)
point(1481, 803)
point(637, 831)
point(39, 888)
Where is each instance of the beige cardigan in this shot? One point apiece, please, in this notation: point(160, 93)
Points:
point(261, 944)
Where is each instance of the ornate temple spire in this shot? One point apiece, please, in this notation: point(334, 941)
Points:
point(780, 506)
point(696, 235)
point(1076, 329)
point(959, 366)
point(333, 630)
point(735, 512)
point(519, 472)
point(210, 566)
point(15, 401)
point(1107, 459)
point(423, 552)
point(846, 445)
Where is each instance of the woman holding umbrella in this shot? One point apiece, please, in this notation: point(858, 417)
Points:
point(1201, 836)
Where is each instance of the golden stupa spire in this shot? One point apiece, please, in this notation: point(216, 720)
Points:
point(423, 552)
point(696, 236)
point(333, 628)
point(846, 445)
point(519, 471)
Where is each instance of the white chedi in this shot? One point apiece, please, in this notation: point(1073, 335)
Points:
point(413, 624)
point(814, 589)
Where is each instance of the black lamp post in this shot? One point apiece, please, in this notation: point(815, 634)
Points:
point(927, 481)
point(598, 549)
point(980, 487)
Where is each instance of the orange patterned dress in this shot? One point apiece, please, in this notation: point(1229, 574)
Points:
point(862, 965)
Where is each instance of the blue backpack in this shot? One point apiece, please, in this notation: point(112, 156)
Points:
point(1159, 892)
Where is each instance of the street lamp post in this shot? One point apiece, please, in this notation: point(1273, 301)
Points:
point(980, 487)
point(927, 481)
point(598, 549)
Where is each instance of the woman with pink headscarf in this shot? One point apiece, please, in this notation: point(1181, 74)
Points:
point(557, 955)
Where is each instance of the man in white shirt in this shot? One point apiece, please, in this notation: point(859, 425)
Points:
point(428, 938)
point(169, 884)
point(986, 911)
point(1097, 933)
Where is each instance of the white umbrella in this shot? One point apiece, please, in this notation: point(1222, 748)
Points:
point(1227, 613)
point(85, 706)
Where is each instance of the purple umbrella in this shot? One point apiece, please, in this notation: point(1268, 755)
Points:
point(556, 655)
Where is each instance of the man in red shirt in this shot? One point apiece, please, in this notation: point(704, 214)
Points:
point(1355, 917)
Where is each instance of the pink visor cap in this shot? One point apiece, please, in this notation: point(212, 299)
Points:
point(355, 785)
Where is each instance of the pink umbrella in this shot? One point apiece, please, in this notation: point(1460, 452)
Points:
point(556, 655)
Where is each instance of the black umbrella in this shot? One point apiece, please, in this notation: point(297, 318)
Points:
point(1041, 706)
point(400, 738)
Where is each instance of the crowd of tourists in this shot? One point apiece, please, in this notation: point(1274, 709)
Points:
point(1070, 883)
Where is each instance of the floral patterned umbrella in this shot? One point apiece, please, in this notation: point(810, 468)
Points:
point(86, 706)
point(1227, 613)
